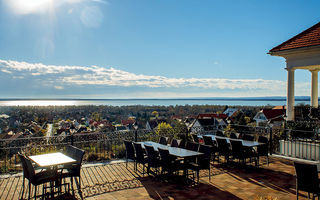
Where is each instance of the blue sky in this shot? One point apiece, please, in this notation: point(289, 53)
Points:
point(148, 48)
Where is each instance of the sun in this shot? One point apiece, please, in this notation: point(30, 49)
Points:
point(30, 6)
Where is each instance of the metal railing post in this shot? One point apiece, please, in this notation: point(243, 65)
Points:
point(72, 139)
point(135, 135)
point(271, 142)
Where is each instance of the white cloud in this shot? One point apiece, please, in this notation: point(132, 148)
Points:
point(6, 71)
point(58, 87)
point(95, 75)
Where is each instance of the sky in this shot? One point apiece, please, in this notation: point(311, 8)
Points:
point(148, 48)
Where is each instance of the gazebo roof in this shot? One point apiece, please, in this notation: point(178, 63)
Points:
point(308, 38)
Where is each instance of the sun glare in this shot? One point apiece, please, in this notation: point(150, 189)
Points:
point(30, 6)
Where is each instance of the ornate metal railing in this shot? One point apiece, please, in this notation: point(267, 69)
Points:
point(109, 145)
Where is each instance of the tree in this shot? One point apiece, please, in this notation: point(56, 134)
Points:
point(164, 129)
point(155, 113)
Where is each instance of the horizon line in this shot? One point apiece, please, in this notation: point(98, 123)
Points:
point(269, 98)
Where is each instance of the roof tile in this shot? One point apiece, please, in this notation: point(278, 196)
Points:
point(309, 37)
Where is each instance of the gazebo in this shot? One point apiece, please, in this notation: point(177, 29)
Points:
point(301, 52)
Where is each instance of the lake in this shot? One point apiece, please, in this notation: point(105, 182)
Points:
point(253, 101)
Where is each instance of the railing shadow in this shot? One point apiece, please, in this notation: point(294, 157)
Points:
point(158, 189)
point(279, 179)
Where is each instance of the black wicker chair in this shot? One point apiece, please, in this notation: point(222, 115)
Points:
point(152, 159)
point(263, 150)
point(208, 141)
point(141, 158)
point(233, 135)
point(223, 148)
point(72, 171)
point(220, 133)
point(192, 146)
point(307, 179)
point(36, 178)
point(130, 154)
point(175, 143)
point(163, 140)
point(169, 163)
point(182, 144)
point(202, 162)
point(248, 137)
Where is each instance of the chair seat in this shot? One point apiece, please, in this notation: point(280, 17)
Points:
point(68, 172)
point(45, 176)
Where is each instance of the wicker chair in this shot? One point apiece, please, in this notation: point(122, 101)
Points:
point(163, 140)
point(152, 159)
point(233, 135)
point(263, 150)
point(72, 171)
point(175, 143)
point(140, 155)
point(223, 148)
point(36, 178)
point(307, 179)
point(130, 154)
point(192, 146)
point(208, 141)
point(203, 162)
point(248, 137)
point(169, 163)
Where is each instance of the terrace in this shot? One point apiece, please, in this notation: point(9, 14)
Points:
point(115, 181)
point(108, 177)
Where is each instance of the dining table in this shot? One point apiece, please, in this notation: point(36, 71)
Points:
point(245, 143)
point(174, 151)
point(53, 161)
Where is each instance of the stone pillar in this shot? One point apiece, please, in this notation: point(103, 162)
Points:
point(290, 95)
point(314, 88)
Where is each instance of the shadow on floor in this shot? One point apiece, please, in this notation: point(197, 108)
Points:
point(279, 178)
point(159, 189)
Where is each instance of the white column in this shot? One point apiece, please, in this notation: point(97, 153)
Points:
point(290, 94)
point(314, 88)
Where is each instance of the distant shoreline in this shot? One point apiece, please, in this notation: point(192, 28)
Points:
point(163, 99)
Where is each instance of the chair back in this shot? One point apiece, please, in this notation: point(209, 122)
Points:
point(307, 177)
point(165, 158)
point(174, 143)
point(139, 152)
point(236, 146)
point(222, 145)
point(208, 140)
point(248, 137)
point(163, 140)
point(195, 138)
point(233, 135)
point(152, 156)
point(25, 166)
point(204, 160)
point(263, 150)
point(182, 144)
point(220, 133)
point(78, 155)
point(192, 146)
point(70, 151)
point(129, 150)
point(30, 169)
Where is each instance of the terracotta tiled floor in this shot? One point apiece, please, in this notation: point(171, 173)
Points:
point(115, 181)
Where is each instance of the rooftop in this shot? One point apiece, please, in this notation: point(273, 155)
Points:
point(114, 181)
point(308, 38)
